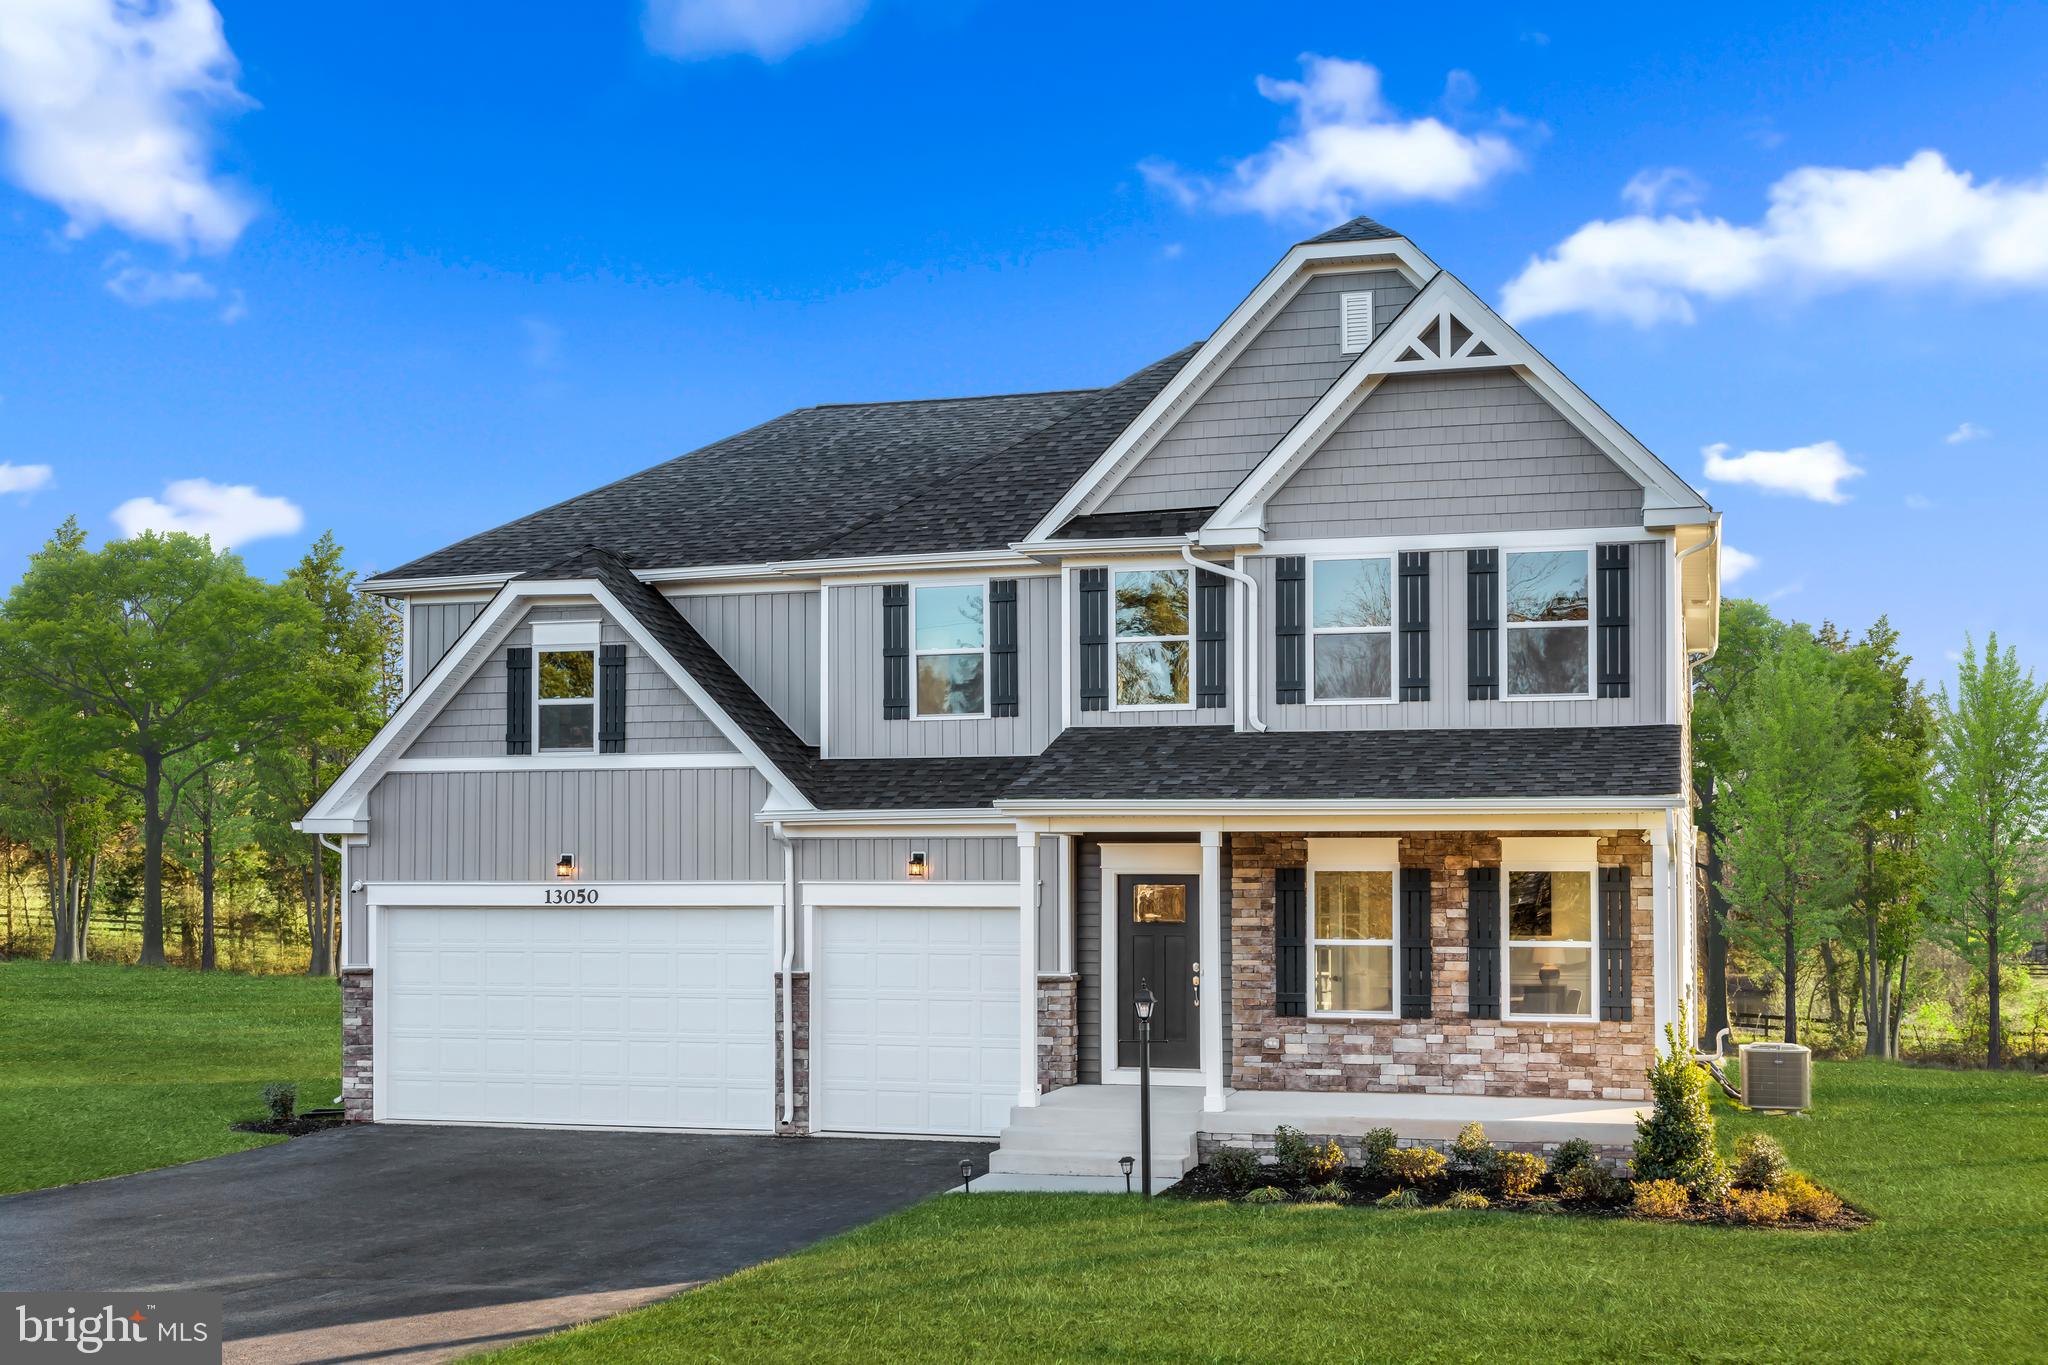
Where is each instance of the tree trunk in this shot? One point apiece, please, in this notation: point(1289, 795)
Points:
point(1995, 1045)
point(1717, 926)
point(206, 957)
point(1831, 978)
point(152, 860)
point(60, 906)
point(1895, 1000)
point(1874, 1023)
point(81, 918)
point(320, 961)
point(1791, 979)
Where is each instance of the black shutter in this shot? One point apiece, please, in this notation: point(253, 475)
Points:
point(1002, 647)
point(518, 701)
point(1415, 949)
point(1612, 618)
point(1415, 626)
point(1290, 942)
point(1616, 1001)
point(611, 699)
point(1290, 641)
point(1482, 625)
point(1212, 639)
point(895, 651)
point(1482, 929)
point(1094, 639)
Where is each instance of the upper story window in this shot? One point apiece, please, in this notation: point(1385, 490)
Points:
point(1151, 637)
point(949, 636)
point(1550, 943)
point(567, 700)
point(1549, 623)
point(1351, 629)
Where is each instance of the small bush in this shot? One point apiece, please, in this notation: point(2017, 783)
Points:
point(1467, 1199)
point(1329, 1192)
point(1400, 1199)
point(1570, 1156)
point(1760, 1162)
point(1472, 1152)
point(1762, 1207)
point(1675, 1141)
point(1593, 1183)
point(1413, 1165)
point(1660, 1199)
point(281, 1098)
point(1235, 1168)
point(1378, 1142)
point(1519, 1173)
point(1302, 1161)
point(1267, 1194)
point(1809, 1200)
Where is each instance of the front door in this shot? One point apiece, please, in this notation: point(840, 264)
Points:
point(1156, 938)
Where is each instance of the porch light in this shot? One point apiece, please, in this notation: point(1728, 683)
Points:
point(918, 868)
point(565, 866)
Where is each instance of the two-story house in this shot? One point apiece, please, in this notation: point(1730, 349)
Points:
point(1326, 680)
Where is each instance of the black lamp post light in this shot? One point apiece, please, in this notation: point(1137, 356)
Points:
point(966, 1176)
point(1126, 1163)
point(1143, 1003)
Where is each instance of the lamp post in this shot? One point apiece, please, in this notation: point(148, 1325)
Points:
point(1143, 1002)
point(1125, 1162)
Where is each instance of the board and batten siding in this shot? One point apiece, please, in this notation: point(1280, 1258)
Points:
point(1652, 666)
point(855, 695)
point(432, 630)
point(1468, 450)
point(625, 824)
point(659, 718)
point(1243, 415)
point(771, 641)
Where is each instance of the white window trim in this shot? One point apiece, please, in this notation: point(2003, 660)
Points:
point(916, 653)
point(1115, 638)
point(1391, 630)
point(1357, 855)
point(1550, 855)
point(1592, 614)
point(540, 652)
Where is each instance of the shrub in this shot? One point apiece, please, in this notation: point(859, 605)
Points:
point(1466, 1199)
point(1762, 1207)
point(1809, 1200)
point(1472, 1152)
point(1519, 1173)
point(1593, 1183)
point(1400, 1199)
point(1660, 1199)
point(1413, 1165)
point(1329, 1192)
point(1570, 1155)
point(1302, 1161)
point(1378, 1142)
point(281, 1098)
point(1267, 1194)
point(1676, 1140)
point(1760, 1162)
point(1235, 1168)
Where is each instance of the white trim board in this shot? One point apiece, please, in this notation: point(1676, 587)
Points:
point(611, 895)
point(565, 761)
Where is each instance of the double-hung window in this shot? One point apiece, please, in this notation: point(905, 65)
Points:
point(1152, 648)
point(1351, 629)
point(567, 701)
point(949, 634)
point(1549, 623)
point(1353, 926)
point(1550, 942)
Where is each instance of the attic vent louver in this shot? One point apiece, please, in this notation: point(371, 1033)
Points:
point(1355, 312)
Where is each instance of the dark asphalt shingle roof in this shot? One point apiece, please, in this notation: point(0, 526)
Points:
point(1359, 229)
point(1171, 521)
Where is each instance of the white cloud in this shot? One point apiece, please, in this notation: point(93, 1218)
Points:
point(236, 309)
point(1735, 563)
point(138, 286)
point(1667, 187)
point(1826, 228)
point(106, 104)
point(1349, 153)
point(232, 514)
point(768, 29)
point(1817, 471)
point(23, 478)
point(1968, 431)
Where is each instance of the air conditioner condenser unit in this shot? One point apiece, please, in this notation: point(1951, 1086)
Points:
point(1777, 1076)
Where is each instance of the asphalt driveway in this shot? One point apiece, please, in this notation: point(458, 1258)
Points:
point(410, 1243)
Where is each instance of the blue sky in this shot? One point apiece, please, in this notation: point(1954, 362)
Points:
point(408, 277)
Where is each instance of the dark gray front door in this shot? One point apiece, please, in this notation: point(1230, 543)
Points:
point(1156, 937)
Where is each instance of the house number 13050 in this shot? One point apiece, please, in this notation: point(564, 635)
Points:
point(569, 895)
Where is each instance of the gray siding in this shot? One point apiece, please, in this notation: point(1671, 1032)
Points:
point(435, 626)
point(1467, 450)
point(1251, 405)
point(634, 824)
point(1651, 664)
point(1207, 715)
point(953, 859)
point(659, 718)
point(857, 728)
point(771, 640)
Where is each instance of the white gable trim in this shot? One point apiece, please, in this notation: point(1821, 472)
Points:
point(1208, 364)
point(344, 808)
point(1667, 499)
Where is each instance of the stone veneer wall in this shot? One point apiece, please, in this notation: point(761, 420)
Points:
point(1059, 1032)
point(356, 1036)
point(800, 1078)
point(1450, 1053)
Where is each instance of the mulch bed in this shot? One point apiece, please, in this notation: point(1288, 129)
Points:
point(312, 1121)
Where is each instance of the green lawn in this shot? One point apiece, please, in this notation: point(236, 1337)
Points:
point(1953, 1165)
point(106, 1070)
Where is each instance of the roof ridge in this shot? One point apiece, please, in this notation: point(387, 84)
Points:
point(956, 398)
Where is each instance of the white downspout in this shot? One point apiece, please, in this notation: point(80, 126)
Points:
point(785, 933)
point(1250, 632)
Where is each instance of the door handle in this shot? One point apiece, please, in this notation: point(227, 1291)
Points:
point(1198, 985)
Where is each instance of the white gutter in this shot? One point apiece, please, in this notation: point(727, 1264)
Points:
point(785, 934)
point(1532, 805)
point(1250, 671)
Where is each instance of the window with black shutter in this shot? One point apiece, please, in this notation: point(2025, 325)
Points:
point(1482, 937)
point(1415, 946)
point(611, 699)
point(1094, 631)
point(518, 701)
point(1290, 618)
point(1290, 942)
point(1611, 616)
point(895, 651)
point(1482, 625)
point(1414, 625)
point(1002, 647)
point(1616, 995)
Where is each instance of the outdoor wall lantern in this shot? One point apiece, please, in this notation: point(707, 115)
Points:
point(919, 867)
point(565, 867)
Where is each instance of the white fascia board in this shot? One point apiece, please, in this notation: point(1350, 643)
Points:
point(1059, 549)
point(1223, 809)
point(344, 824)
point(1213, 358)
point(378, 586)
point(872, 821)
point(566, 762)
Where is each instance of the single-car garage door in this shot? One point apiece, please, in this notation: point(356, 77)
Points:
point(646, 1018)
point(914, 1020)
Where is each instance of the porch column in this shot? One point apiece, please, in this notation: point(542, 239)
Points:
point(1664, 929)
point(1027, 967)
point(1214, 1025)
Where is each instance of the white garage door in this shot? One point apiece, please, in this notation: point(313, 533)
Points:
point(914, 1020)
point(615, 1018)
